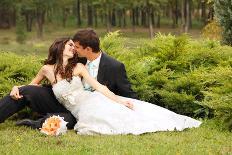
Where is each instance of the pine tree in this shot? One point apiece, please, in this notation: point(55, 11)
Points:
point(223, 12)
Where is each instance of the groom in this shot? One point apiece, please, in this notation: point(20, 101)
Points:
point(104, 68)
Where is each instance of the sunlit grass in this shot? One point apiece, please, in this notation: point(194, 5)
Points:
point(207, 139)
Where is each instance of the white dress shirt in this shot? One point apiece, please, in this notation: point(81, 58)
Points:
point(93, 71)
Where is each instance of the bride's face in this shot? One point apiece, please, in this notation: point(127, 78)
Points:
point(69, 49)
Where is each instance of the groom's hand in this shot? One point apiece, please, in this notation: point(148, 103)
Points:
point(15, 93)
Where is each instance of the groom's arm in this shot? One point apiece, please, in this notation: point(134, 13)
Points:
point(123, 84)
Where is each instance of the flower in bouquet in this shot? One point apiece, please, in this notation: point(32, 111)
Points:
point(54, 125)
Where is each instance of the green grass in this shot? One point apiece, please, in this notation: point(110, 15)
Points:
point(207, 139)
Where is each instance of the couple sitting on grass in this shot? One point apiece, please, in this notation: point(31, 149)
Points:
point(90, 90)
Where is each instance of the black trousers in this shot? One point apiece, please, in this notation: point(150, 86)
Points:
point(40, 100)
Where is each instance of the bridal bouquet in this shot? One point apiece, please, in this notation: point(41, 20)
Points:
point(54, 125)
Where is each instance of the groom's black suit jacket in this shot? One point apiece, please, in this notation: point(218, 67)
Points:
point(112, 73)
point(42, 100)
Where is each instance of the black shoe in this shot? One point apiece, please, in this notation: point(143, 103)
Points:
point(29, 123)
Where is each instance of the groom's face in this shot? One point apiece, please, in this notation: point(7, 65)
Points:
point(80, 50)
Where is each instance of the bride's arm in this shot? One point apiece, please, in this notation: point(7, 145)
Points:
point(39, 77)
point(99, 87)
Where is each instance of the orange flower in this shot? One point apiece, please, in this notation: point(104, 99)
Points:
point(52, 125)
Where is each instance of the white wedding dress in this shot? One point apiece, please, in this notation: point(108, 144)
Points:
point(97, 114)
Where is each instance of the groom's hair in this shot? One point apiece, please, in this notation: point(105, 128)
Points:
point(88, 38)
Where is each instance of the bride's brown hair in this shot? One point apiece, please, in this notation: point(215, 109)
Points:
point(55, 57)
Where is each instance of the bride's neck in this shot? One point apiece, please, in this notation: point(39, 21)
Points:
point(65, 61)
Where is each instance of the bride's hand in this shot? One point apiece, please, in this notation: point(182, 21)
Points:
point(128, 104)
point(14, 94)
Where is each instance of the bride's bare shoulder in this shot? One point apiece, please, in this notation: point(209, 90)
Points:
point(79, 68)
point(47, 68)
point(80, 65)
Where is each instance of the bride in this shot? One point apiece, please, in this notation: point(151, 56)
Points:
point(101, 111)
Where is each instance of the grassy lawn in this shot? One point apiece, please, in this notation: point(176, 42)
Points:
point(207, 139)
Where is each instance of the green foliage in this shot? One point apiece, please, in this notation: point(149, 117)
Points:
point(113, 43)
point(212, 30)
point(223, 12)
point(191, 77)
point(187, 76)
point(16, 70)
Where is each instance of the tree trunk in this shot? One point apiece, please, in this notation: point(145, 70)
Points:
point(143, 17)
point(149, 18)
point(5, 20)
point(78, 13)
point(95, 17)
point(119, 14)
point(90, 14)
point(124, 18)
point(107, 17)
point(153, 17)
point(102, 17)
point(175, 14)
point(158, 20)
point(108, 23)
point(151, 31)
point(29, 19)
point(113, 18)
point(183, 22)
point(30, 24)
point(187, 19)
point(13, 20)
point(133, 19)
point(40, 21)
point(190, 13)
point(137, 16)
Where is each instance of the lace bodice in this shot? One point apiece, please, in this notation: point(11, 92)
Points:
point(70, 93)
